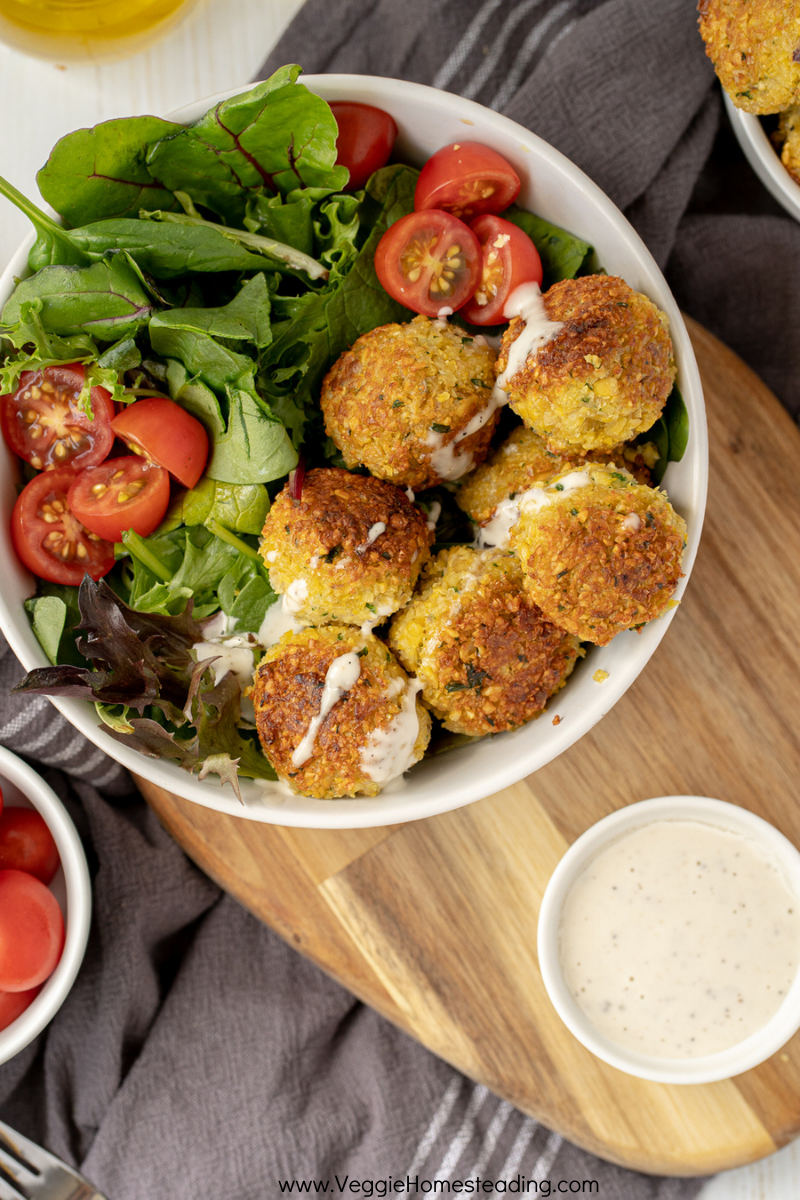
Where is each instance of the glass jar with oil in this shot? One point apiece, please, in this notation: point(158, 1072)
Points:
point(87, 30)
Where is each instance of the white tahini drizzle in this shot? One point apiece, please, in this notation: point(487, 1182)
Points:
point(434, 514)
point(276, 623)
point(389, 752)
point(496, 532)
point(232, 654)
point(342, 675)
point(294, 596)
point(375, 532)
point(527, 302)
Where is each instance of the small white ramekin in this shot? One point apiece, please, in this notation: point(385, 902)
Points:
point(23, 788)
point(745, 1054)
point(763, 158)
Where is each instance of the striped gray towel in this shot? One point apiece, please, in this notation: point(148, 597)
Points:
point(200, 1058)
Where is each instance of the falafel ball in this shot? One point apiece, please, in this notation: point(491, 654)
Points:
point(603, 377)
point(789, 132)
point(523, 460)
point(412, 403)
point(350, 548)
point(336, 714)
point(601, 552)
point(754, 46)
point(485, 654)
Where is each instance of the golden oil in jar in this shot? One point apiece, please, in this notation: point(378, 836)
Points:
point(87, 30)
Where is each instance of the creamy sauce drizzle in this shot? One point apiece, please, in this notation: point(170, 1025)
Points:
point(375, 532)
point(232, 654)
point(527, 302)
point(680, 939)
point(389, 752)
point(294, 596)
point(341, 676)
point(276, 623)
point(433, 515)
point(496, 531)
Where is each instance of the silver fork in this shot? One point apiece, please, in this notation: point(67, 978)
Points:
point(29, 1172)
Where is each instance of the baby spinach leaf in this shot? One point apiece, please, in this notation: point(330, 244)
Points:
point(563, 255)
point(53, 244)
point(203, 357)
point(108, 299)
point(123, 355)
point(255, 447)
point(162, 250)
point(247, 604)
point(96, 173)
point(276, 137)
point(245, 318)
point(240, 508)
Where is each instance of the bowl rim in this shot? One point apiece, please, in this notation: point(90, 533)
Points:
point(763, 158)
point(41, 1011)
point(399, 807)
point(711, 1068)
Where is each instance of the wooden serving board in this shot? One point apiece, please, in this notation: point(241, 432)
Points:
point(434, 923)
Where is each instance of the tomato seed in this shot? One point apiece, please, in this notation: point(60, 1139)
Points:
point(47, 386)
point(81, 550)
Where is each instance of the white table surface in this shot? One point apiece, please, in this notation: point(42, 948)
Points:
point(220, 45)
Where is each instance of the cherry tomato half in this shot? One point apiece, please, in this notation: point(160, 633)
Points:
point(26, 844)
point(466, 179)
point(122, 493)
point(50, 540)
point(509, 259)
point(429, 261)
point(167, 435)
point(365, 141)
point(31, 932)
point(13, 1005)
point(42, 423)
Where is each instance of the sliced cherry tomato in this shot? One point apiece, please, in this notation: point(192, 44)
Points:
point(166, 434)
point(31, 932)
point(42, 423)
point(13, 1005)
point(365, 141)
point(120, 494)
point(50, 539)
point(429, 261)
point(509, 259)
point(466, 179)
point(26, 844)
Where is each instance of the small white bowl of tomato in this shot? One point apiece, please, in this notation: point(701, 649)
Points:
point(45, 904)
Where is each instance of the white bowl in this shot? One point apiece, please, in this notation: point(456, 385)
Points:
point(557, 190)
point(763, 158)
point(722, 1065)
point(23, 788)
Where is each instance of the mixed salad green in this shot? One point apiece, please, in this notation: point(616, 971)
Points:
point(224, 266)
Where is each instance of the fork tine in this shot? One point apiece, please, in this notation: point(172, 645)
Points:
point(49, 1177)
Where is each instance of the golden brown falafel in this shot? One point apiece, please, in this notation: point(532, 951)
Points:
point(523, 460)
point(374, 729)
point(755, 48)
point(604, 377)
point(601, 553)
point(400, 400)
point(486, 656)
point(789, 134)
point(352, 546)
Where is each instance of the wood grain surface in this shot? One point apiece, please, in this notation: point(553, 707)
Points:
point(434, 923)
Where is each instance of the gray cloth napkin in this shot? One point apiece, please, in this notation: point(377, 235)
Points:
point(198, 1057)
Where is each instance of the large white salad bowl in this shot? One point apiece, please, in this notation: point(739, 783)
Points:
point(555, 189)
